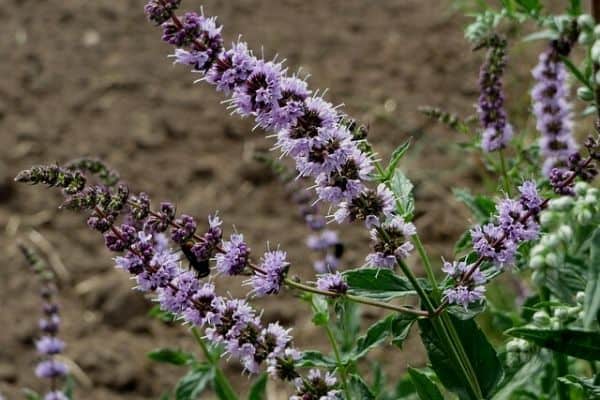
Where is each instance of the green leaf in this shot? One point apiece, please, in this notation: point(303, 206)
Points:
point(578, 344)
point(31, 395)
point(574, 7)
point(194, 382)
point(400, 329)
point(69, 387)
point(360, 389)
point(347, 323)
point(320, 309)
point(376, 334)
point(395, 158)
point(518, 378)
point(576, 72)
point(463, 243)
point(482, 207)
point(591, 304)
point(426, 388)
point(591, 390)
point(170, 356)
point(312, 358)
point(531, 7)
point(377, 283)
point(223, 389)
point(259, 388)
point(402, 188)
point(482, 356)
point(164, 316)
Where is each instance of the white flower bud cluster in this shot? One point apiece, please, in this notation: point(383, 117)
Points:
point(519, 351)
point(558, 222)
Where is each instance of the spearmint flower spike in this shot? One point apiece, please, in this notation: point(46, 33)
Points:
point(48, 345)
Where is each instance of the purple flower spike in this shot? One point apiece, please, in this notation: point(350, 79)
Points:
point(530, 198)
point(275, 267)
point(391, 241)
point(186, 227)
point(497, 132)
point(491, 242)
point(51, 369)
point(231, 68)
point(50, 345)
point(464, 296)
point(260, 93)
point(56, 395)
point(511, 216)
point(160, 12)
point(235, 256)
point(333, 283)
point(552, 110)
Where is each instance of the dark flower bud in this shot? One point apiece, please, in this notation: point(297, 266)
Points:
point(140, 207)
point(160, 11)
point(186, 226)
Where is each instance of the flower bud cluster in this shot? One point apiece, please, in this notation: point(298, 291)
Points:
point(324, 144)
point(497, 131)
point(560, 222)
point(48, 345)
point(519, 351)
point(552, 108)
point(145, 237)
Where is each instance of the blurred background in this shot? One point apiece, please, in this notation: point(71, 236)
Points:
point(92, 78)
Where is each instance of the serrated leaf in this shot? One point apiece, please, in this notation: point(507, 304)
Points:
point(312, 358)
point(576, 72)
point(30, 394)
point(258, 391)
point(346, 324)
point(591, 305)
point(482, 207)
point(518, 378)
point(482, 356)
point(377, 283)
point(591, 390)
point(194, 382)
point(397, 155)
point(376, 334)
point(426, 388)
point(170, 356)
point(578, 344)
point(360, 389)
point(320, 310)
point(463, 243)
point(402, 188)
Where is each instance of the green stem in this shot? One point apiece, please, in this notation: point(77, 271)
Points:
point(505, 178)
point(437, 295)
point(338, 359)
point(562, 369)
point(220, 378)
point(356, 299)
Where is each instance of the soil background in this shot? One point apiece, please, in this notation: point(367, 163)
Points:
point(91, 78)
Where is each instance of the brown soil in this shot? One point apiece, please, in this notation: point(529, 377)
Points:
point(91, 78)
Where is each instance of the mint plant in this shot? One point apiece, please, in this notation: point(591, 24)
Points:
point(540, 226)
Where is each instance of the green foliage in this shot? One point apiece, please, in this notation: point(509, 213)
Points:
point(402, 188)
point(194, 382)
point(590, 388)
point(482, 207)
point(170, 356)
point(259, 388)
point(591, 305)
point(575, 343)
point(481, 354)
point(377, 283)
point(30, 394)
point(360, 389)
point(426, 387)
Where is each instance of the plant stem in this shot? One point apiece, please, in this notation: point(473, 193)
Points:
point(505, 178)
point(595, 7)
point(220, 378)
point(338, 359)
point(562, 369)
point(356, 299)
